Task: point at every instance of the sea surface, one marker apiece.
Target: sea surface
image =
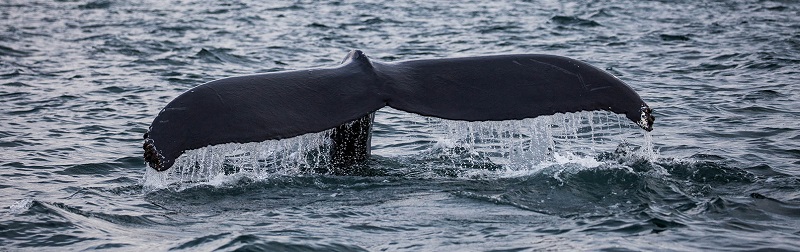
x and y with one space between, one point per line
81 81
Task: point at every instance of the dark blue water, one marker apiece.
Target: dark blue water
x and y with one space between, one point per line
80 82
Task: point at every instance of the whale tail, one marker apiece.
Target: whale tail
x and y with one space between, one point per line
280 105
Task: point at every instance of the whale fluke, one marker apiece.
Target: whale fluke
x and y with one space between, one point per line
280 105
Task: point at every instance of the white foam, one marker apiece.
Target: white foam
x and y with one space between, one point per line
21 206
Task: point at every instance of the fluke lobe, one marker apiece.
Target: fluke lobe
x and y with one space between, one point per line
255 108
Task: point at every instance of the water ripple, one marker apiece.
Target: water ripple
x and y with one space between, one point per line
82 80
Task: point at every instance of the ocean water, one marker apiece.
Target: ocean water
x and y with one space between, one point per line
81 81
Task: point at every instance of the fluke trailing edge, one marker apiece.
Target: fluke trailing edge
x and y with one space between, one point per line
279 105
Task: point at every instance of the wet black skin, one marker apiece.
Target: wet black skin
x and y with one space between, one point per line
280 105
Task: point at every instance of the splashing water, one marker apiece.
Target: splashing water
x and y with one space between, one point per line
285 157
514 147
528 143
20 206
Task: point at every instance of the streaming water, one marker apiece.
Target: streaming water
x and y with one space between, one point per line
512 145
